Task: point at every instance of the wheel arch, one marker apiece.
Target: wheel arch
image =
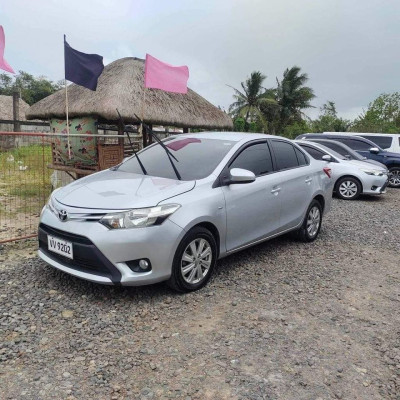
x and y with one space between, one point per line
213 229
321 200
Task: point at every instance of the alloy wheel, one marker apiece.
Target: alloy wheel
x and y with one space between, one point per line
313 221
196 261
394 177
348 189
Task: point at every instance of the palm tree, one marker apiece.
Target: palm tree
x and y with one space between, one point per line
247 101
292 96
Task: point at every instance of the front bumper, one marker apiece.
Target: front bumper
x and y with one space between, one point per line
101 255
375 184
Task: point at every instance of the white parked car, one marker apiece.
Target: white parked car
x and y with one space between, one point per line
350 177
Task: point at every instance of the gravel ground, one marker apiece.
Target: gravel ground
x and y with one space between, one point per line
282 320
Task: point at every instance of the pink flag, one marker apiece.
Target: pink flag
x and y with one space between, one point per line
160 75
3 63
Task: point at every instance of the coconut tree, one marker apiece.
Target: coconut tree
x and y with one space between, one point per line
292 96
247 100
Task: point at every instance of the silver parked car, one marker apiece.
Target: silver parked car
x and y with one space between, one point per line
351 177
168 213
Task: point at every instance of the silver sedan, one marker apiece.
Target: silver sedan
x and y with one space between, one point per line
351 177
168 213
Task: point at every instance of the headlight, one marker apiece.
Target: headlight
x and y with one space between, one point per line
372 172
140 217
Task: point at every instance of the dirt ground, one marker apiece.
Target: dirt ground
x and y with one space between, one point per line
282 320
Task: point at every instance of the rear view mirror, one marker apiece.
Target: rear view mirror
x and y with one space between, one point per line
374 150
239 175
327 157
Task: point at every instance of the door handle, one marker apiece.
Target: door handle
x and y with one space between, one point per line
308 180
276 190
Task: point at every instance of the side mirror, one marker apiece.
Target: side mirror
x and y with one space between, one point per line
327 158
239 175
374 150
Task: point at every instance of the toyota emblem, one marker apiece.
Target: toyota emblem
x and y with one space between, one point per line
62 215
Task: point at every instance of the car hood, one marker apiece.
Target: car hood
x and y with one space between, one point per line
366 164
117 190
376 163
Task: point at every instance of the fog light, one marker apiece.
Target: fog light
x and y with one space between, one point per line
374 187
139 265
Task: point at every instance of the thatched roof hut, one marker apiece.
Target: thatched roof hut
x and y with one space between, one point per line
120 86
6 108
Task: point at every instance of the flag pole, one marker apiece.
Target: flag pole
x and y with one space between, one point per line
66 113
66 104
141 125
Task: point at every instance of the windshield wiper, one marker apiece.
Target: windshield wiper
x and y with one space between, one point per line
169 154
130 142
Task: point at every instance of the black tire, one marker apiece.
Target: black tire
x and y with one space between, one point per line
309 235
178 281
348 188
394 177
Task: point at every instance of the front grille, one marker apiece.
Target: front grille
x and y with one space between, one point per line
70 237
87 257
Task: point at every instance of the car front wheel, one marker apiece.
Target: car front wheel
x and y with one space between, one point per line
194 261
348 188
394 177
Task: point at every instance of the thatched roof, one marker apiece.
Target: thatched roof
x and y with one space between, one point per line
6 108
121 86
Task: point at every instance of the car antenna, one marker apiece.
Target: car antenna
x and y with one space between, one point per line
170 156
130 142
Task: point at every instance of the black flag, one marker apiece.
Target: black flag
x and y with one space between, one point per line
81 68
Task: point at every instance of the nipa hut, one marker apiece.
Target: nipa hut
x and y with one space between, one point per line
6 108
121 86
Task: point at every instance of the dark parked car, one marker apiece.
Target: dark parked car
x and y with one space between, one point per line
366 148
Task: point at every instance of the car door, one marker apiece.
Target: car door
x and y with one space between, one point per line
295 180
252 209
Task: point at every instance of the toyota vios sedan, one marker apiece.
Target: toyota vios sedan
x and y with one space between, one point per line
350 177
169 212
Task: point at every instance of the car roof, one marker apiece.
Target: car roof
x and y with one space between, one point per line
233 136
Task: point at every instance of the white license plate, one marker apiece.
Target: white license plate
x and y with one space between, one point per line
60 246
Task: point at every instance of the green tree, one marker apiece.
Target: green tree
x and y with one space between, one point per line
238 124
246 104
292 97
32 89
296 128
382 115
328 120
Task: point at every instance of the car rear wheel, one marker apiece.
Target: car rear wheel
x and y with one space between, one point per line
394 177
348 188
194 261
312 222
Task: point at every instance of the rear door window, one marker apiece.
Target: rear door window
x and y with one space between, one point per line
301 158
285 155
255 158
382 141
313 152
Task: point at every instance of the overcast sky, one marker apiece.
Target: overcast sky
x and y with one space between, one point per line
348 48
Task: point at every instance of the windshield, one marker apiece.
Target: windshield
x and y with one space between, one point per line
197 158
